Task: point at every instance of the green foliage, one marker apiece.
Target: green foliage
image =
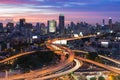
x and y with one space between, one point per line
35 60
98 59
101 78
116 77
104 52
92 55
4 67
93 78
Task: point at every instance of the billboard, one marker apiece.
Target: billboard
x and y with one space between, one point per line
75 35
63 42
105 44
34 37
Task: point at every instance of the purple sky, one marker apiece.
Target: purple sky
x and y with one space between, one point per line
91 11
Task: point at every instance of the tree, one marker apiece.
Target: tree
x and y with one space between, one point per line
35 60
118 77
92 55
101 78
93 78
98 59
82 77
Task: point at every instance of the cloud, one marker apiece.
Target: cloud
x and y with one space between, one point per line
77 3
45 6
30 8
40 0
17 2
14 10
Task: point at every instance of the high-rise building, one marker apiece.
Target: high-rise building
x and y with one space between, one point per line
103 21
21 24
61 24
10 26
0 48
72 25
43 29
110 22
1 25
37 28
52 26
28 29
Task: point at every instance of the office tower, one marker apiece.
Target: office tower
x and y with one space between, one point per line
97 27
52 26
28 25
110 23
8 45
1 25
28 29
61 24
10 25
21 24
72 25
103 21
43 29
37 28
0 48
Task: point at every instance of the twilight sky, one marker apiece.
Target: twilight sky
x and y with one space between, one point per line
91 11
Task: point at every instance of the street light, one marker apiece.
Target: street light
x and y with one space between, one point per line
6 75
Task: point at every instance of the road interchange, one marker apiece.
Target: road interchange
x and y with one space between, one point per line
70 59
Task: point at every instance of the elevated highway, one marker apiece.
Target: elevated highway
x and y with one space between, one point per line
100 65
104 57
93 62
62 65
77 65
51 69
16 56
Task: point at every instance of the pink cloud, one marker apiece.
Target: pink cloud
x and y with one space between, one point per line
16 2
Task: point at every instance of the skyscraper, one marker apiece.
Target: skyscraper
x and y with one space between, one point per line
1 25
38 28
61 24
52 26
21 24
43 29
110 23
103 21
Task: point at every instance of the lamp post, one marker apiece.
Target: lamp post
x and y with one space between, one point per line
6 75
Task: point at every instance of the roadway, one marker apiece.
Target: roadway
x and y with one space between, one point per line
83 59
104 57
16 56
110 59
78 64
68 39
51 69
90 61
99 64
46 71
21 54
93 62
61 65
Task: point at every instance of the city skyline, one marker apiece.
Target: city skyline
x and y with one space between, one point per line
91 11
